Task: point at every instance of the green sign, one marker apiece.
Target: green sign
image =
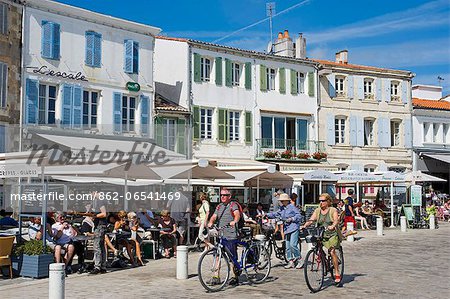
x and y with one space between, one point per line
416 195
133 86
408 212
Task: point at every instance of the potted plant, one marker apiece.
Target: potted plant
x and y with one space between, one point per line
270 154
319 155
303 156
287 154
35 259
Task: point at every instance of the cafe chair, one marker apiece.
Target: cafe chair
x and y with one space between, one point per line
6 245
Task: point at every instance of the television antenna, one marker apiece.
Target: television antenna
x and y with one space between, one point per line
270 12
440 79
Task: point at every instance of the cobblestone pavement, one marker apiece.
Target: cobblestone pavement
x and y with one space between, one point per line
414 264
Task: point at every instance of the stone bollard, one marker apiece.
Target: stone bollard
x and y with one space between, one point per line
432 222
350 228
182 262
379 226
56 280
403 224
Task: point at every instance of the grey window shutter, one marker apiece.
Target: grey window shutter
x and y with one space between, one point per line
330 129
381 132
407 129
387 90
353 130
360 131
331 87
360 87
262 78
378 90
404 87
219 79
117 112
350 92
387 132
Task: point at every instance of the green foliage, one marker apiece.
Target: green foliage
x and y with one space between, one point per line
32 247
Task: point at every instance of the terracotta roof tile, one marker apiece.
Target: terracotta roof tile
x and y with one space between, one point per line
357 66
164 105
431 104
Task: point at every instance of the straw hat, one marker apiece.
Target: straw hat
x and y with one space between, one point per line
284 197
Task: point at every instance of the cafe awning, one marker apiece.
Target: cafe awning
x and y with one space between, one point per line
439 157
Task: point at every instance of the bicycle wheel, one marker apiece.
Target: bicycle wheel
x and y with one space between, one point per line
340 255
256 263
213 270
314 269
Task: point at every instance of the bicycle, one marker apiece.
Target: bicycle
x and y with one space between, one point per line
317 263
214 264
272 246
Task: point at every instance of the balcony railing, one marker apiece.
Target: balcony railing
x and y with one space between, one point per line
290 149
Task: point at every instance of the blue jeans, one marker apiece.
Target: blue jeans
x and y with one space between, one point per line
292 251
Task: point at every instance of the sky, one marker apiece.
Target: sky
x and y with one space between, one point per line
409 35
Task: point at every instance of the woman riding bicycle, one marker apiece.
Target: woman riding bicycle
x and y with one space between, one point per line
327 216
292 217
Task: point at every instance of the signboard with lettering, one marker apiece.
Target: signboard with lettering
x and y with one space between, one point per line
18 170
44 70
416 195
407 211
133 86
358 176
320 175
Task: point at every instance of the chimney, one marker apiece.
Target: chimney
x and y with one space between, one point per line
284 46
342 57
300 46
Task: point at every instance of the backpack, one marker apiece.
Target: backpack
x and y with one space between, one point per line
241 222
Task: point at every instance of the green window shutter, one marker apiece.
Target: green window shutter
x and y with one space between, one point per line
227 72
282 80
294 89
262 78
219 71
197 67
196 123
159 130
311 84
248 75
248 127
181 133
222 125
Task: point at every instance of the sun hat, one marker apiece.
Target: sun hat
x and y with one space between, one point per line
283 197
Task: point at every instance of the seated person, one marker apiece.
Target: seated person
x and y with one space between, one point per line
146 218
134 225
168 234
123 225
359 216
35 229
63 233
7 220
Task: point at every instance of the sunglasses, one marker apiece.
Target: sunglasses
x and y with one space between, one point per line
225 194
323 200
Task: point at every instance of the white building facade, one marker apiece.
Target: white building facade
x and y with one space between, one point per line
431 134
245 105
84 72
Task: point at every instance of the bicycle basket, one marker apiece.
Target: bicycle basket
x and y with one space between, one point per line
245 233
314 234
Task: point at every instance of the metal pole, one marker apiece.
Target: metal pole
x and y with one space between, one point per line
392 205
303 197
357 191
56 281
125 191
320 187
44 208
257 189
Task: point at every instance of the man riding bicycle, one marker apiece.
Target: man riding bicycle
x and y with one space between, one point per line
292 217
228 213
327 216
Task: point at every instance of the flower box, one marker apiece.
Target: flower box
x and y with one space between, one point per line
36 266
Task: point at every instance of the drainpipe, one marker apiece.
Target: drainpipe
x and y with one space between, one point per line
255 108
318 106
189 151
22 78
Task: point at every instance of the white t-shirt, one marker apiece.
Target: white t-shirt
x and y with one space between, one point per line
67 233
33 229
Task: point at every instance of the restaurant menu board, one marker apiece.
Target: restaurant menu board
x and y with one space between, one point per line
416 195
309 210
408 212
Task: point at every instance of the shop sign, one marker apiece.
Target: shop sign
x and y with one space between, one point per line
133 86
44 70
416 195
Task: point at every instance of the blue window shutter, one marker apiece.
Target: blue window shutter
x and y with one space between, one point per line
67 103
128 58
89 59
331 87
380 131
360 131
135 57
144 114
350 93
387 90
117 112
353 130
407 135
46 39
56 40
32 94
360 87
2 136
387 131
97 59
404 87
330 129
77 106
378 93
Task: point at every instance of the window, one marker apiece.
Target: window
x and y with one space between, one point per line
128 113
131 64
90 103
339 86
368 88
235 74
446 135
339 130
368 132
3 18
233 123
205 69
369 169
206 123
3 84
46 104
50 40
395 133
93 49
300 82
169 133
395 97
271 73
